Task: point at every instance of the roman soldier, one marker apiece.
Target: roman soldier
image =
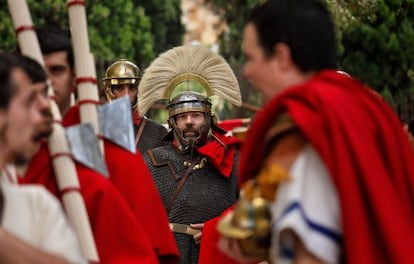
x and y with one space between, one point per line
122 78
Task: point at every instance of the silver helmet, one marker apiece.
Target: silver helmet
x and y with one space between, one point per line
190 101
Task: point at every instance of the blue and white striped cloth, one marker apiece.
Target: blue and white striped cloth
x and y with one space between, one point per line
308 206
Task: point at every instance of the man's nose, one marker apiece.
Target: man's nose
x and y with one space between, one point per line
42 103
124 91
189 120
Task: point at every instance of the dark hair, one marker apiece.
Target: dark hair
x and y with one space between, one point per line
32 68
304 25
53 39
7 86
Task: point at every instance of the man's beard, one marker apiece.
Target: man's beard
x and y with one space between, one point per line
191 136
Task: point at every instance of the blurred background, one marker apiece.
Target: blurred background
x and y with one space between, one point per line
375 40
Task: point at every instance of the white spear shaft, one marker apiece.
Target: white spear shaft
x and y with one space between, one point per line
84 65
63 165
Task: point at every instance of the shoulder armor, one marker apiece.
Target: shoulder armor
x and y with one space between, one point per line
280 126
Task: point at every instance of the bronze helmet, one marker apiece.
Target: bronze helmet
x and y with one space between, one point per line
190 101
120 72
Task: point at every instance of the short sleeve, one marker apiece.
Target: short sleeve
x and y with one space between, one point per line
36 216
308 206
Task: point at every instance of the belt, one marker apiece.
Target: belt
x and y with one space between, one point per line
183 229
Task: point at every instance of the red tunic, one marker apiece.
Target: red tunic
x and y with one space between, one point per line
118 235
129 174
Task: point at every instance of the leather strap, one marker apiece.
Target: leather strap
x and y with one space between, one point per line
140 130
181 183
183 229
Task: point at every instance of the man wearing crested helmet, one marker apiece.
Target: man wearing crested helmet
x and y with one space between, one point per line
196 171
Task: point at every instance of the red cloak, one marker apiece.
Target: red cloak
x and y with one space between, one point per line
130 175
362 143
118 235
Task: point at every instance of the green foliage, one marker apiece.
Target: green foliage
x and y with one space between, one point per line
7 39
379 51
375 40
166 29
117 28
235 12
136 30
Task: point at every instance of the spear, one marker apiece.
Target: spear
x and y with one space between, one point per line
63 164
84 65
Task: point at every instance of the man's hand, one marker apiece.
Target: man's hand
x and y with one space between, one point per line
197 237
231 248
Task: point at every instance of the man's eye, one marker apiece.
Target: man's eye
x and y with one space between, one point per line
180 117
117 88
57 69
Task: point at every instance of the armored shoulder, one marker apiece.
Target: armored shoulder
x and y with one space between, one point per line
284 142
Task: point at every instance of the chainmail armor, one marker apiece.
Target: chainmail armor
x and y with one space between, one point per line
152 135
205 194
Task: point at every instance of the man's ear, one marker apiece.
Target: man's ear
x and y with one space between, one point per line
283 55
